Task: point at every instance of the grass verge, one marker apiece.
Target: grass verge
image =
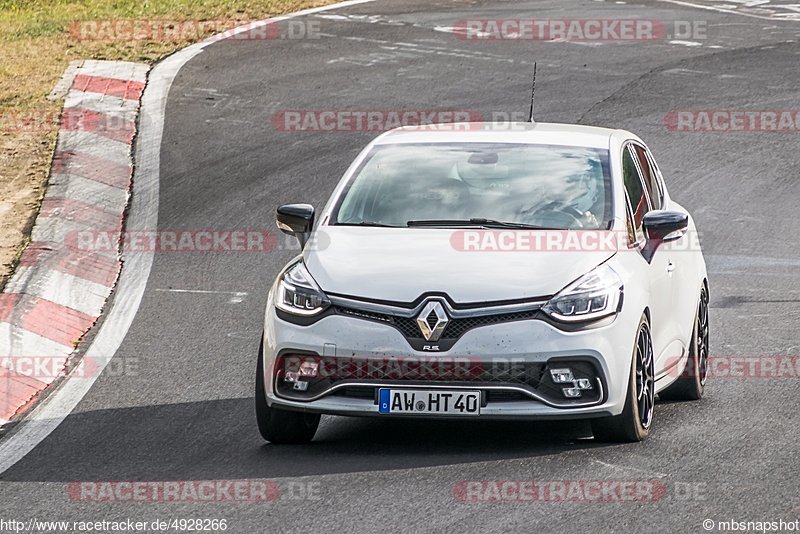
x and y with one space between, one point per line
38 39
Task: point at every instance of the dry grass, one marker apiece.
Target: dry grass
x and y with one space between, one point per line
37 44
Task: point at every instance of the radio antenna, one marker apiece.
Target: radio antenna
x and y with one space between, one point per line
533 93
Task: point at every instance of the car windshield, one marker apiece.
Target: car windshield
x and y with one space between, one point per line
445 185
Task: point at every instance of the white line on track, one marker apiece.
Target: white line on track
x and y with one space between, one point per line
722 9
236 296
686 43
133 281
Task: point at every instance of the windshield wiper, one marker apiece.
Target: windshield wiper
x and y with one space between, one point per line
475 221
368 223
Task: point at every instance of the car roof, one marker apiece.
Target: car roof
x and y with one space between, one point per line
539 133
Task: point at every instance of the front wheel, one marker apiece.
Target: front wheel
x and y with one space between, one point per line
281 426
633 424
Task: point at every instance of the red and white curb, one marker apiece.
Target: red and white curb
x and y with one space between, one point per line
142 215
58 291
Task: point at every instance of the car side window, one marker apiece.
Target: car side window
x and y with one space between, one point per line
649 176
632 239
635 191
658 176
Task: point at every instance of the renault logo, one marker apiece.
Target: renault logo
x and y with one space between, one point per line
432 320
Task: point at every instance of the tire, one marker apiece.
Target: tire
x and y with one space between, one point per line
634 423
281 426
691 384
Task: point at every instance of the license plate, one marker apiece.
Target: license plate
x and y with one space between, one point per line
425 402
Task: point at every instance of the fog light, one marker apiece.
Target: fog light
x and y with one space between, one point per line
300 386
290 376
309 369
571 393
562 376
583 383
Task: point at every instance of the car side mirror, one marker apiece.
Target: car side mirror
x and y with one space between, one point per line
296 220
663 225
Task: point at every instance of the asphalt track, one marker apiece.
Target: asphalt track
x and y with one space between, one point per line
186 412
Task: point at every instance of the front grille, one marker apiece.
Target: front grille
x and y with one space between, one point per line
455 328
407 326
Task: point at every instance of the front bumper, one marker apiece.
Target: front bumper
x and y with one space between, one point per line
602 353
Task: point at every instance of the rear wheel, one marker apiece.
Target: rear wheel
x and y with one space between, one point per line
633 424
281 426
692 382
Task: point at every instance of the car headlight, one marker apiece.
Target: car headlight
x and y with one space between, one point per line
594 295
299 294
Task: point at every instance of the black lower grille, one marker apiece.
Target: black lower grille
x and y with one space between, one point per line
310 376
500 395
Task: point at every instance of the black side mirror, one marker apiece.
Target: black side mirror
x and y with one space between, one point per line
662 225
296 220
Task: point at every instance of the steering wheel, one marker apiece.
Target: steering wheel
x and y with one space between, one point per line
555 215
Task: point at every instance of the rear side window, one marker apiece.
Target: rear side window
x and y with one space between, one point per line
649 176
635 192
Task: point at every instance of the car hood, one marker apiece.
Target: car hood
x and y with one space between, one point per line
400 264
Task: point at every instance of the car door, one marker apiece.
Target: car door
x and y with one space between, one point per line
659 268
684 278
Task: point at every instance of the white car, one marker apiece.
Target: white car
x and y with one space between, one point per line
534 271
